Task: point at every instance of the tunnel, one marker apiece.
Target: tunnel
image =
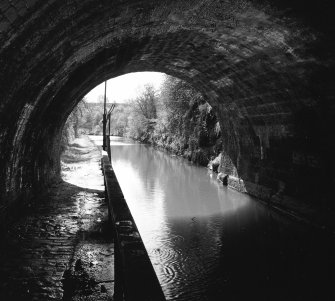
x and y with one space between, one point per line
266 68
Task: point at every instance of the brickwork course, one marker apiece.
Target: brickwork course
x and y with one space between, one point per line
266 67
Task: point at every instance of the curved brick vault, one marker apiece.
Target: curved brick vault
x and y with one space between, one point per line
267 70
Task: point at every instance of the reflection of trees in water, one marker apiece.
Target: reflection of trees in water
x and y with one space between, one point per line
187 188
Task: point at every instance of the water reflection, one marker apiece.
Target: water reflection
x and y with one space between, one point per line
178 209
153 173
207 242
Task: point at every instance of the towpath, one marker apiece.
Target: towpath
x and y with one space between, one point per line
61 249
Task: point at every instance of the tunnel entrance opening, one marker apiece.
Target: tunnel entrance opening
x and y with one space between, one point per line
166 112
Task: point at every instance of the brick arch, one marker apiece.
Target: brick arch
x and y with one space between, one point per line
265 74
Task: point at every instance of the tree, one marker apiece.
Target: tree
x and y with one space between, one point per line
74 122
178 100
145 104
74 118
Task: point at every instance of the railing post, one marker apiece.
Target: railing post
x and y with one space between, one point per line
104 121
108 138
104 132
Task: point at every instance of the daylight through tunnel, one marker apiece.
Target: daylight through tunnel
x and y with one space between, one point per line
261 65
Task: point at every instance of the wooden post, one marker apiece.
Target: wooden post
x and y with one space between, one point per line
104 121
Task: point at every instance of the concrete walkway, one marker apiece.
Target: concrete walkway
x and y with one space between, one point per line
62 248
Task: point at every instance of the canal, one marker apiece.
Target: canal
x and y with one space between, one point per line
208 242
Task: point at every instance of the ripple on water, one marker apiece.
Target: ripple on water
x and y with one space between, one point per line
169 240
170 274
175 270
181 270
168 260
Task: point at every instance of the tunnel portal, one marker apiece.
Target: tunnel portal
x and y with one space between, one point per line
265 67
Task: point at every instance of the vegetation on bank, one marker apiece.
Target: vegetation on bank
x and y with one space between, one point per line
177 119
84 119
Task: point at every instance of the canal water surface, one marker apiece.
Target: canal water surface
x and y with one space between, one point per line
208 242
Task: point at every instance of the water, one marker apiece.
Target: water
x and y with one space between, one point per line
207 242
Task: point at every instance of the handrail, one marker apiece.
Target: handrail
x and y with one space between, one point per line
135 278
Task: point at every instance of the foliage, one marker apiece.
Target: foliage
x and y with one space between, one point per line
86 118
72 125
119 120
186 118
145 104
178 119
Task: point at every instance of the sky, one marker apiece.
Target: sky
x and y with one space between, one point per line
125 87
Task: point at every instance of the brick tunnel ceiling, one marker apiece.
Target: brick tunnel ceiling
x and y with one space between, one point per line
266 69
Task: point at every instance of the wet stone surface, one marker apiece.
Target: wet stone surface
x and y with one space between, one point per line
62 249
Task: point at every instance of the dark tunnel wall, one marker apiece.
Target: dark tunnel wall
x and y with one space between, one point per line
265 67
